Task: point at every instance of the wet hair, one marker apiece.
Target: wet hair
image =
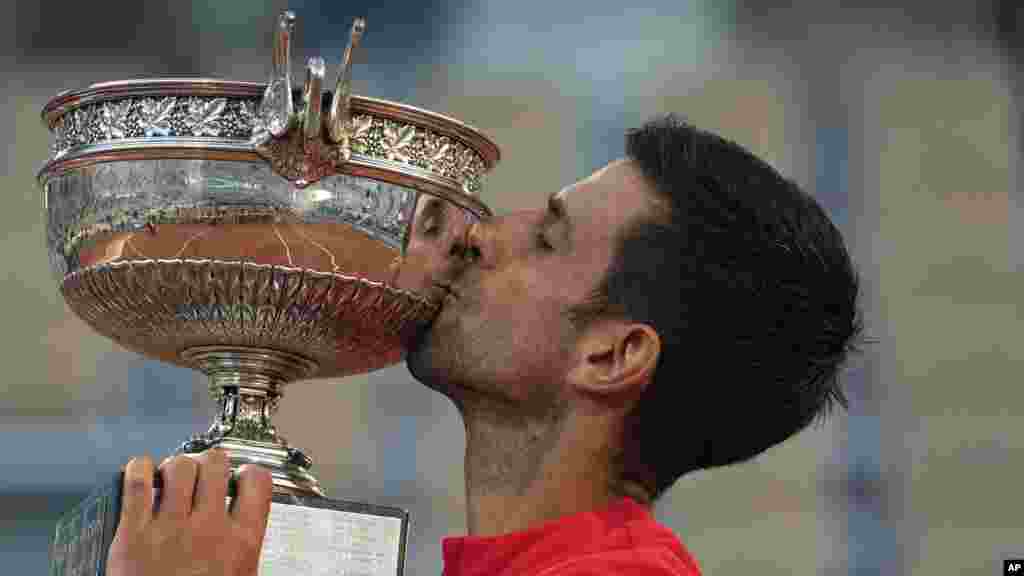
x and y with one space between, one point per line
752 292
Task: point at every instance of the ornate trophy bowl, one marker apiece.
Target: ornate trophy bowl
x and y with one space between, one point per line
258 234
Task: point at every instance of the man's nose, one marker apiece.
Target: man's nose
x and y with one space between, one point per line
475 238
469 248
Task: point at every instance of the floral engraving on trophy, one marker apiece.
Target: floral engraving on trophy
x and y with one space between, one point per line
240 121
234 119
129 118
396 140
203 118
399 142
113 117
360 126
74 126
155 116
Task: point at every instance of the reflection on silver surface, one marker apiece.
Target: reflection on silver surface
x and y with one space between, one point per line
438 227
153 209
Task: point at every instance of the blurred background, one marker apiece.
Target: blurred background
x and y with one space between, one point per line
902 117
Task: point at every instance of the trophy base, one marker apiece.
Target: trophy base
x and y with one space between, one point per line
306 534
289 468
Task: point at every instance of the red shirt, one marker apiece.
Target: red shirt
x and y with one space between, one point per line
623 539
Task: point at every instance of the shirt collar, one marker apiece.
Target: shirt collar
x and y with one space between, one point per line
539 546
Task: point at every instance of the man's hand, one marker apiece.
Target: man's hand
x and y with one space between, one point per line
191 532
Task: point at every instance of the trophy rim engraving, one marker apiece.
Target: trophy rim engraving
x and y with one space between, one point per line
427 175
69 100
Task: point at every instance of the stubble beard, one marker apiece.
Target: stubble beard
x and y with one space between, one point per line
433 357
507 436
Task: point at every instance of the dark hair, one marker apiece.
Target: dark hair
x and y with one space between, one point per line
751 289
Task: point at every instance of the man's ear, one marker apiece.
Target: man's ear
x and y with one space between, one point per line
615 358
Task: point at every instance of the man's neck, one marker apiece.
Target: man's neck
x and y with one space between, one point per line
522 474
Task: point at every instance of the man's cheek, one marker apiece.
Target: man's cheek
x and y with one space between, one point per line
534 284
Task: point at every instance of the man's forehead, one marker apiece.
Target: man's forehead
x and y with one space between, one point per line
595 177
618 183
599 205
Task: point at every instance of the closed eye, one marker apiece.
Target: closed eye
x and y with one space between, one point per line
430 227
542 242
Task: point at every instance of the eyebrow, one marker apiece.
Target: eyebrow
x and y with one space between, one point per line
558 212
556 206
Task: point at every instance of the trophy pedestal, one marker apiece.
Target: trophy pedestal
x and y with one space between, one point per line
246 384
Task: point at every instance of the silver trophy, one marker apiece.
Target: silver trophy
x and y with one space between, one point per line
261 235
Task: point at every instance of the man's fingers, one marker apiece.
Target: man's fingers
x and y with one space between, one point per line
212 485
137 493
252 500
179 476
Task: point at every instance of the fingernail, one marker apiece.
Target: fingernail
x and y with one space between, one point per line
135 472
140 462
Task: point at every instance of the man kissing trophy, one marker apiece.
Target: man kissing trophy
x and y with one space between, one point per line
260 235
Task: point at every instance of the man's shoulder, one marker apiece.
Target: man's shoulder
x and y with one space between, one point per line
647 560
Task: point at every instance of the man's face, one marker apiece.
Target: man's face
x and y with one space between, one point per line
503 332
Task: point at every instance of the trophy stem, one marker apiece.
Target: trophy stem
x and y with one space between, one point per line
246 384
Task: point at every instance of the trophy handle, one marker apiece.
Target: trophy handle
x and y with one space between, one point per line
300 146
277 111
312 96
340 114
